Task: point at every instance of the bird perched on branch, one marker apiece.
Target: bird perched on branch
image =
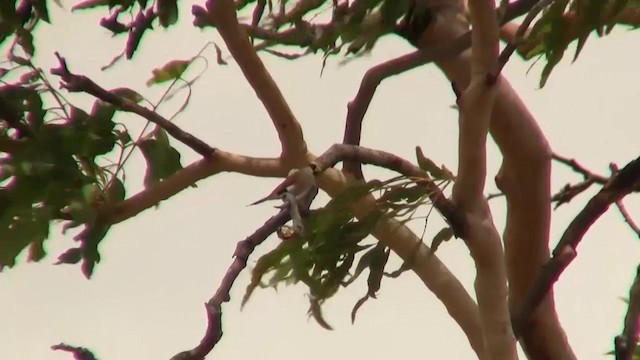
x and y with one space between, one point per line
300 183
297 191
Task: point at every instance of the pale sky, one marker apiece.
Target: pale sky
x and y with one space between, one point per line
145 300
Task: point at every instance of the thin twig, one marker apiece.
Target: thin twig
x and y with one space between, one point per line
627 217
626 343
80 83
214 306
620 185
575 166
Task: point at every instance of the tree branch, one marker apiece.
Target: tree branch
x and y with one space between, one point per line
620 185
483 240
80 83
294 148
627 217
213 307
357 108
220 161
431 271
361 155
625 344
524 178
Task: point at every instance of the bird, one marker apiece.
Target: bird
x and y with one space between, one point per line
300 183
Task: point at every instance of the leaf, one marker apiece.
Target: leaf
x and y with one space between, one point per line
71 256
162 161
128 94
139 26
316 311
428 165
376 269
115 192
444 234
357 306
363 263
89 4
167 11
20 227
91 238
25 40
40 8
219 58
169 71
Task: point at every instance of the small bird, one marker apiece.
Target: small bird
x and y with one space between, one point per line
300 183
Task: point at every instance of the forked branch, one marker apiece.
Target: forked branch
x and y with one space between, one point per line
223 14
620 185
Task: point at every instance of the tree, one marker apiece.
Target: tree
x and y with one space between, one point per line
56 165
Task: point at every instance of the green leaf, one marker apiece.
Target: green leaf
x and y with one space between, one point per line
40 8
22 226
443 235
115 192
315 310
128 94
162 161
71 256
169 71
25 40
91 238
167 12
429 166
89 4
376 269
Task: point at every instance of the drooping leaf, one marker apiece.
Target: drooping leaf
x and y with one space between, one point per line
25 40
89 4
315 310
40 8
167 12
71 256
169 71
445 234
162 160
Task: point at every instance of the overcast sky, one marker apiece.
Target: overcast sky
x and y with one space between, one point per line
145 300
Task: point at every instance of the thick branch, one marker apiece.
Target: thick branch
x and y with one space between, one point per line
433 273
357 108
80 83
483 240
220 161
525 180
620 185
224 15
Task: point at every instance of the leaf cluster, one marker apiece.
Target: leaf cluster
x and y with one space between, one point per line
566 21
61 163
324 259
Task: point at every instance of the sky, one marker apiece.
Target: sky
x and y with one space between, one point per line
145 300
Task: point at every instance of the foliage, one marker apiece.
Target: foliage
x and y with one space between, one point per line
564 22
324 259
